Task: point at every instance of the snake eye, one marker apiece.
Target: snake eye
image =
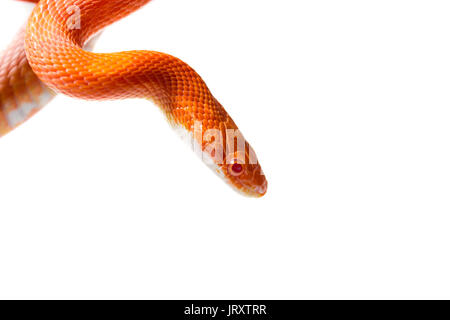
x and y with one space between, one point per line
236 169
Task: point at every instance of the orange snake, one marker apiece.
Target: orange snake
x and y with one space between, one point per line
47 57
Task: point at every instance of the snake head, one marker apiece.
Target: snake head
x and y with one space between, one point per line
216 139
244 174
241 168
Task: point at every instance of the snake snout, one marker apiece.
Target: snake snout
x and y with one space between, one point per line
262 189
252 182
260 185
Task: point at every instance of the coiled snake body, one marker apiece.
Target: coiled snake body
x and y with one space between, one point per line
47 57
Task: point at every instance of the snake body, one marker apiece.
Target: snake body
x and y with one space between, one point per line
48 57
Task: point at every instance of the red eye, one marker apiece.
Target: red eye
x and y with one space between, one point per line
237 169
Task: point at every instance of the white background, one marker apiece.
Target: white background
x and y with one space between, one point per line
347 104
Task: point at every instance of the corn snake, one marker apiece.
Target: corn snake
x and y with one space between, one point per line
49 57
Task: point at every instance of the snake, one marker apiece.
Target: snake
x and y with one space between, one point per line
50 56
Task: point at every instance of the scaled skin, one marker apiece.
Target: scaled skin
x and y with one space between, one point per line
54 51
22 94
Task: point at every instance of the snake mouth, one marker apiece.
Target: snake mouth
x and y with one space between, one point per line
254 185
260 190
254 191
